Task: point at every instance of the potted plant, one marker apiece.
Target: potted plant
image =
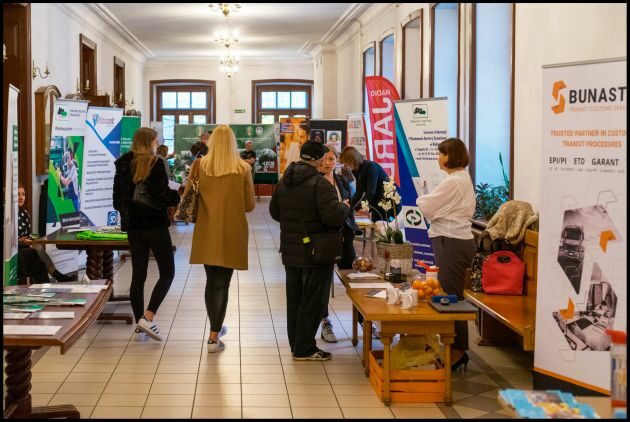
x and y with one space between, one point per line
489 198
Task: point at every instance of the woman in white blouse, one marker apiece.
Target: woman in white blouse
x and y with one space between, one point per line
450 207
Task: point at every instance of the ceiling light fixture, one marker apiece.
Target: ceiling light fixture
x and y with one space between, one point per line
225 38
229 64
225 8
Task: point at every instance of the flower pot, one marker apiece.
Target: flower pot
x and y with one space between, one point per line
400 254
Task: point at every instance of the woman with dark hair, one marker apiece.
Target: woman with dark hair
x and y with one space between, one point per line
450 207
146 227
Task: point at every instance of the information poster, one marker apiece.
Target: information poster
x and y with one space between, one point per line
356 134
420 127
381 95
10 226
65 176
128 127
332 132
582 257
159 128
185 137
102 148
294 131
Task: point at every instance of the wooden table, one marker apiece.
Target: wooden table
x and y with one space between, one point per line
419 320
100 261
19 349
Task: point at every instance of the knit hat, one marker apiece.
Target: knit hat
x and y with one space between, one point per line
312 151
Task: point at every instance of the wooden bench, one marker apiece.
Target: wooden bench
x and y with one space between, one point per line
505 320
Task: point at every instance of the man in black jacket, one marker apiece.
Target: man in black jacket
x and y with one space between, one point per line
303 190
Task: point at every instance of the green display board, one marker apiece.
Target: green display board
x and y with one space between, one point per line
129 125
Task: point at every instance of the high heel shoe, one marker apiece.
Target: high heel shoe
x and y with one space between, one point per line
461 361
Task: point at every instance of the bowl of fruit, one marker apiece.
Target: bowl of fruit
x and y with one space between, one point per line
426 287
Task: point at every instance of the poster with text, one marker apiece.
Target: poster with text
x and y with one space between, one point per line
332 132
294 131
128 127
10 224
420 127
582 256
264 145
102 148
185 137
356 134
65 176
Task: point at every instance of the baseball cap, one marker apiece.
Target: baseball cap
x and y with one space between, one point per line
312 151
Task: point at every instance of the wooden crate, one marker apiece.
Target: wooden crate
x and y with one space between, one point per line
408 386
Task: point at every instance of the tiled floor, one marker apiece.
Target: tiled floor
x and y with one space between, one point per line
107 374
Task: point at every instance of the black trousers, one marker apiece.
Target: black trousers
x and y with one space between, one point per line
31 265
217 291
454 256
307 289
140 242
347 258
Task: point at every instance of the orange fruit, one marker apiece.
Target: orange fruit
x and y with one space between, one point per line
416 284
420 294
436 291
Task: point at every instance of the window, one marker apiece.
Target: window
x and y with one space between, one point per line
412 58
119 82
387 58
275 99
491 108
369 64
88 65
445 59
182 102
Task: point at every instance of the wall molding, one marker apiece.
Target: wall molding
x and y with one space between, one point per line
103 12
345 21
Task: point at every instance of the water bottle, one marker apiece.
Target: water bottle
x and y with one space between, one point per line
619 372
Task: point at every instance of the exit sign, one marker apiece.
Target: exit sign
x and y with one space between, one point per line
239 110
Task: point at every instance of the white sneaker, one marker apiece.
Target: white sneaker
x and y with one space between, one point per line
327 333
214 347
140 335
150 328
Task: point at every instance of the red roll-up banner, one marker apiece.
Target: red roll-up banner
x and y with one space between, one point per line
381 95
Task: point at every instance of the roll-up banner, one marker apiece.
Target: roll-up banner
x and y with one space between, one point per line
357 136
294 131
420 127
381 95
582 252
128 127
65 176
332 132
102 148
10 224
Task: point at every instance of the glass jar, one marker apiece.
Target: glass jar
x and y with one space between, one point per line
619 372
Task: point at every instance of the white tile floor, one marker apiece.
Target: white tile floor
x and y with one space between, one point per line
107 374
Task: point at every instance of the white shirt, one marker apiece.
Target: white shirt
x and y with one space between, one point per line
450 206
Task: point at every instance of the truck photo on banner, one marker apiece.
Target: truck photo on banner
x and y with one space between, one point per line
420 127
10 225
582 259
65 176
102 148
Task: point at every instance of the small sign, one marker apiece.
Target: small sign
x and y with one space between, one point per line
239 110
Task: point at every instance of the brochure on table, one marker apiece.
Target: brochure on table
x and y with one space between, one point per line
10 225
582 258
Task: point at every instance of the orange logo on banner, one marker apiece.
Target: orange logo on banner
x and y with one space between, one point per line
557 86
569 312
604 237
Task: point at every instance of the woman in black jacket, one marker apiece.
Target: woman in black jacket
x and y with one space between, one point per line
146 227
370 177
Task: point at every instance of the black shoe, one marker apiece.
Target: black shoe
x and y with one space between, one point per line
64 277
318 355
461 361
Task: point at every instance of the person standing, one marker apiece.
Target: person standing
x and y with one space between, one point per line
249 155
220 238
146 227
70 180
450 207
342 186
305 198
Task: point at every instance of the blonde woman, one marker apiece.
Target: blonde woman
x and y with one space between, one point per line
147 228
226 193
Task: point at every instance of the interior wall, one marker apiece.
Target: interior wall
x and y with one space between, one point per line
55 30
231 93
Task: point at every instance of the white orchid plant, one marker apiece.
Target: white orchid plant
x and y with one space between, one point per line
390 200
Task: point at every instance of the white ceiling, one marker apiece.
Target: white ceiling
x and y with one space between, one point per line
172 31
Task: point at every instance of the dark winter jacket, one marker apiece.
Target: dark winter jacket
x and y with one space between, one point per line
317 201
344 189
370 177
133 216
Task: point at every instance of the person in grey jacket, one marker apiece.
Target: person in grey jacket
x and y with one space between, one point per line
304 192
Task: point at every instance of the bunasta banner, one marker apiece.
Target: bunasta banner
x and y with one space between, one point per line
582 258
64 176
420 127
10 226
102 148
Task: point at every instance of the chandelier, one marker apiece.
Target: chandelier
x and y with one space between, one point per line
229 64
226 38
225 8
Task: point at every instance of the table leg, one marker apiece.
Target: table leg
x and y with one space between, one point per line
108 264
100 264
355 321
367 345
94 268
18 403
387 399
447 340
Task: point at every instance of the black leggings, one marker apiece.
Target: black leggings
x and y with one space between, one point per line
159 241
217 291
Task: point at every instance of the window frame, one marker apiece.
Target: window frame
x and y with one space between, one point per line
418 14
371 45
472 140
280 85
380 54
459 51
183 85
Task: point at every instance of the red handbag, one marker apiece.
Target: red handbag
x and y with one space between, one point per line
502 274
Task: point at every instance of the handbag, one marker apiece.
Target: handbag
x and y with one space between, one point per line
321 248
187 209
503 274
142 197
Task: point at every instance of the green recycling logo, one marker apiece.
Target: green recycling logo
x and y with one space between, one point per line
413 217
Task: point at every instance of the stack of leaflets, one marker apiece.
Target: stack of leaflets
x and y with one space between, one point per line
546 404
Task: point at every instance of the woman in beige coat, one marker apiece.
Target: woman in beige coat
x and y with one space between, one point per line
226 193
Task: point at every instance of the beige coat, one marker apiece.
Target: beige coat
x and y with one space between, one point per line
221 232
